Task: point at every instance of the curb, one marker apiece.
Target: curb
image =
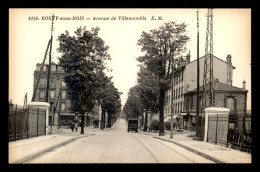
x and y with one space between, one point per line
194 151
37 154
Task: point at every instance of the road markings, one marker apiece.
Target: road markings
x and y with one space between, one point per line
157 161
171 149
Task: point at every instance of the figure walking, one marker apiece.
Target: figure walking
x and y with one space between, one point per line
72 127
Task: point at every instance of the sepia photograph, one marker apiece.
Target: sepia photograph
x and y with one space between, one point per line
129 86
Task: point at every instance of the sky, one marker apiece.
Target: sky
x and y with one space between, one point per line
28 41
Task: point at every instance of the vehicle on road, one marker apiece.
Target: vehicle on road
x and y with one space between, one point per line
132 124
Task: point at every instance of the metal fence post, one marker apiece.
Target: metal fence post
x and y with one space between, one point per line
38 121
28 123
216 142
228 132
208 130
15 122
45 123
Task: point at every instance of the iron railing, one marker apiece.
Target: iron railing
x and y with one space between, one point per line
26 123
230 131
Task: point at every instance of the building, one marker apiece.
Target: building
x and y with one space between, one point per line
185 79
224 95
57 83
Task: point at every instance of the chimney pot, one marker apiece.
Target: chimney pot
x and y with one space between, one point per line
244 84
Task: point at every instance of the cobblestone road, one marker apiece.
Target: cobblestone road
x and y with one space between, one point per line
120 146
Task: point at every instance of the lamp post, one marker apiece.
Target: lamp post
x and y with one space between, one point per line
83 107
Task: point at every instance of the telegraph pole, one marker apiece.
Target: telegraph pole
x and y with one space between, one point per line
198 74
208 72
49 68
172 80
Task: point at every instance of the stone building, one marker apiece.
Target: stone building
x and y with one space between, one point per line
185 79
57 83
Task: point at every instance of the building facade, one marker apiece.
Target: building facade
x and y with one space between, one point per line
185 79
56 85
224 95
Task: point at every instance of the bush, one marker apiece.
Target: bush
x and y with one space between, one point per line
155 125
168 125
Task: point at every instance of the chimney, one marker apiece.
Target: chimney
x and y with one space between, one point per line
188 58
216 83
229 70
228 59
244 84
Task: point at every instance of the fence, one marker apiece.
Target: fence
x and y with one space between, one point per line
239 134
26 123
233 131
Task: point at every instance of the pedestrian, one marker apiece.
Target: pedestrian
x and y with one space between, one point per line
72 127
76 126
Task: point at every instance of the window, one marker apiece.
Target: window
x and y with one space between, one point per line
63 84
42 94
187 104
179 92
63 94
52 93
62 107
43 82
53 67
230 103
52 84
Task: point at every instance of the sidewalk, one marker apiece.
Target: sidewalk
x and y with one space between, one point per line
216 153
22 150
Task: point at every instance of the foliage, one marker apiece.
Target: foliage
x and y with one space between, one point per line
148 89
155 125
161 46
82 56
167 125
133 107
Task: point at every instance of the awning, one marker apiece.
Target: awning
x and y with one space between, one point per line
190 113
168 118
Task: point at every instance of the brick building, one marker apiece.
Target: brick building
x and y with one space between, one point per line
57 83
185 79
224 95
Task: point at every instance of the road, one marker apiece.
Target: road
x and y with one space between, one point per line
120 146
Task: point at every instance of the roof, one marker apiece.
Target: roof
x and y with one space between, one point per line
213 56
218 86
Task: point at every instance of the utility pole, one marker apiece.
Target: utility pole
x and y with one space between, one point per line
172 80
208 71
198 76
49 68
41 68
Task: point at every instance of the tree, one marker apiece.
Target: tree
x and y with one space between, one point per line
148 88
82 56
161 46
107 96
133 107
